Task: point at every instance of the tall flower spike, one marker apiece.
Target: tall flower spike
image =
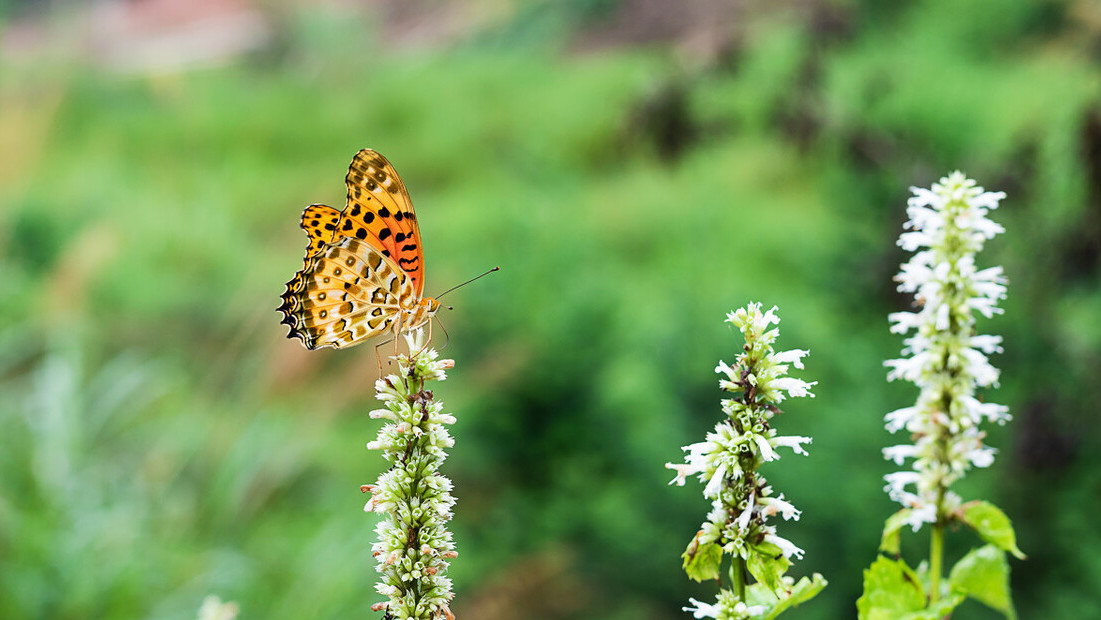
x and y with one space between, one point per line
947 360
414 545
741 500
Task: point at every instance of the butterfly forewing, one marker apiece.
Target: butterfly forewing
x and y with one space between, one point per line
380 212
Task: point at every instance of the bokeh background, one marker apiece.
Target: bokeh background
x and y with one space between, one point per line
638 168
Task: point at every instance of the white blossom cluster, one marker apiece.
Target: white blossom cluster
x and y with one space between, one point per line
214 609
946 359
727 461
726 607
414 545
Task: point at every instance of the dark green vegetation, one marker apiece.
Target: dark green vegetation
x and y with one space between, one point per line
160 440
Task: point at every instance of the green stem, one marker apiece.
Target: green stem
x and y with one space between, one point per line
737 575
936 553
936 544
937 548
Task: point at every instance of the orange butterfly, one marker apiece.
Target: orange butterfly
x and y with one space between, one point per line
364 270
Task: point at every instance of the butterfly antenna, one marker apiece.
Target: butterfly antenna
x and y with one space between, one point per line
467 282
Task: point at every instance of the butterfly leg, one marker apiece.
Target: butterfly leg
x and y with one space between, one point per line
378 358
447 341
398 322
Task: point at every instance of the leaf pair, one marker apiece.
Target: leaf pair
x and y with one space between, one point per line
892 590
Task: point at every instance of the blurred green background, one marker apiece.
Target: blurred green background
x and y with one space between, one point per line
638 168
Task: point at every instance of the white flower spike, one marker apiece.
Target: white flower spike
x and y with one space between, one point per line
946 359
413 495
741 500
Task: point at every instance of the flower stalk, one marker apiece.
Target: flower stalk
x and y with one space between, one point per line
727 464
414 546
947 359
936 561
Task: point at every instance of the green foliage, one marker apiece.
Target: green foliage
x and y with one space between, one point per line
767 565
702 562
803 590
778 602
892 532
983 574
992 525
893 591
153 219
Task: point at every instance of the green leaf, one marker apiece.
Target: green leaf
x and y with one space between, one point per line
758 594
891 591
768 548
983 574
702 562
891 531
992 525
801 592
937 610
768 567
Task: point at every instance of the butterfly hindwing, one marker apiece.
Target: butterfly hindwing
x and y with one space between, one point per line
319 222
380 212
350 292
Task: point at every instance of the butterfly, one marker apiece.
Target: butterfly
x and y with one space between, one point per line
364 268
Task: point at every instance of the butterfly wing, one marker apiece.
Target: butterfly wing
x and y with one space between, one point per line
350 292
380 212
319 222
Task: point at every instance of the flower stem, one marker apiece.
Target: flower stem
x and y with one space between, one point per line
737 575
936 557
936 542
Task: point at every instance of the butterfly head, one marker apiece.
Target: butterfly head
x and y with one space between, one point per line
420 314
